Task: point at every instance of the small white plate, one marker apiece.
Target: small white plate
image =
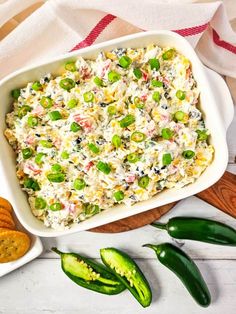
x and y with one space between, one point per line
35 250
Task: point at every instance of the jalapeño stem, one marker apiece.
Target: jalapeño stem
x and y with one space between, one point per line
159 225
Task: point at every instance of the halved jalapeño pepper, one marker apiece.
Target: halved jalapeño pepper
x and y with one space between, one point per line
89 274
128 272
187 271
199 229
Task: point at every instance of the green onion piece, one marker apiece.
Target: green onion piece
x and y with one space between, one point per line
32 121
138 73
70 66
179 115
88 97
188 154
45 144
93 148
202 135
46 102
72 103
113 76
119 196
65 155
166 133
91 210
15 93
55 115
127 120
169 54
79 184
27 153
40 203
55 206
111 110
125 62
133 158
156 96
103 167
98 81
156 83
154 64
36 86
143 182
180 94
138 103
30 183
75 127
38 158
166 159
23 110
56 177
56 168
116 140
138 137
67 84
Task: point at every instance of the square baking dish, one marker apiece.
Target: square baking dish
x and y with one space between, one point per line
216 119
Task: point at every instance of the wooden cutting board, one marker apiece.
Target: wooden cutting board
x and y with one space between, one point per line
221 195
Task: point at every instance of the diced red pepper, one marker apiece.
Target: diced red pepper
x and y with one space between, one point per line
130 179
38 111
166 81
30 139
84 122
105 67
57 143
88 166
143 97
85 72
32 168
145 76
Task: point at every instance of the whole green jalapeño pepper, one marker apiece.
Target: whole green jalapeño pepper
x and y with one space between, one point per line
199 229
128 272
179 262
89 274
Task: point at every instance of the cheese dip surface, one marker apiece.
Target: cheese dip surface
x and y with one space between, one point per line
118 129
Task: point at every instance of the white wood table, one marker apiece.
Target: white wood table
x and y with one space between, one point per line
41 286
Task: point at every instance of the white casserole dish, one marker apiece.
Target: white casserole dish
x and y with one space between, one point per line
217 120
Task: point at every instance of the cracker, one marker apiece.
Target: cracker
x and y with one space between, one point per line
7 219
4 224
13 245
5 204
4 229
5 212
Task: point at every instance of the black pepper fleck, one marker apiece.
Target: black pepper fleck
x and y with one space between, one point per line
156 170
164 106
78 140
103 104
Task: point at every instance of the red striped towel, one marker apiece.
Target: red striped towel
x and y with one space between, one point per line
65 25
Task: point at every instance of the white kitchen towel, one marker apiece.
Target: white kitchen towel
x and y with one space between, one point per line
59 26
